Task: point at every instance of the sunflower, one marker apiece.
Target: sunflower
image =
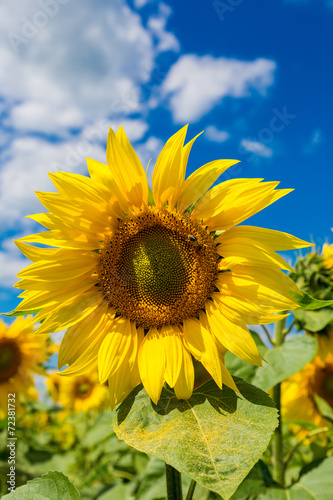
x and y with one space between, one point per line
328 256
147 279
299 392
21 355
314 274
78 393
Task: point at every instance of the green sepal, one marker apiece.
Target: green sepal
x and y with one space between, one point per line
14 313
151 201
309 303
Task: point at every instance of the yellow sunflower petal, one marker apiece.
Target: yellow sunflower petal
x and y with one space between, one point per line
35 253
244 310
200 181
169 169
231 202
227 378
201 345
122 383
276 240
79 337
234 336
170 336
246 253
152 364
72 311
130 176
185 382
115 349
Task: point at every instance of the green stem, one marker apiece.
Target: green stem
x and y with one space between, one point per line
174 483
297 445
278 464
268 334
191 489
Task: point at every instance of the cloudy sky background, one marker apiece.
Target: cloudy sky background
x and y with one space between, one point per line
256 76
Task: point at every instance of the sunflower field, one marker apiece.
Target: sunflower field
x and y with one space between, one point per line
194 361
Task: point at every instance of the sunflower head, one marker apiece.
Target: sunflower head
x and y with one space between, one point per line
81 393
147 279
22 354
314 274
299 392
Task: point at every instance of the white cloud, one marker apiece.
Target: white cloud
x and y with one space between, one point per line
28 160
314 142
138 4
11 262
214 134
195 84
257 147
148 153
81 64
157 24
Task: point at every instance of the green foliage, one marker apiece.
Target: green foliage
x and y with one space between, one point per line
315 281
313 321
51 486
309 303
315 485
14 313
215 437
285 360
280 362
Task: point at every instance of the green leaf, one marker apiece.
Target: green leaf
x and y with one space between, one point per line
285 360
14 313
51 486
310 303
324 408
313 321
255 482
315 485
153 483
215 437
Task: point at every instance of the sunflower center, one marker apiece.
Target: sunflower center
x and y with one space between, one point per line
10 359
83 389
327 388
158 268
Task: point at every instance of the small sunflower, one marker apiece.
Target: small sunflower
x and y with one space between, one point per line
21 355
78 393
299 391
314 274
146 280
328 256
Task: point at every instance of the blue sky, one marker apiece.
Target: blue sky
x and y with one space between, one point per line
256 76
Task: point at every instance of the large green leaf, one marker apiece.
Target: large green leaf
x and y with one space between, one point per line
255 482
314 321
315 485
215 437
51 486
305 301
285 360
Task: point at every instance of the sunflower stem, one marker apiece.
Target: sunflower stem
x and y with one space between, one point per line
174 483
268 335
278 463
191 489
